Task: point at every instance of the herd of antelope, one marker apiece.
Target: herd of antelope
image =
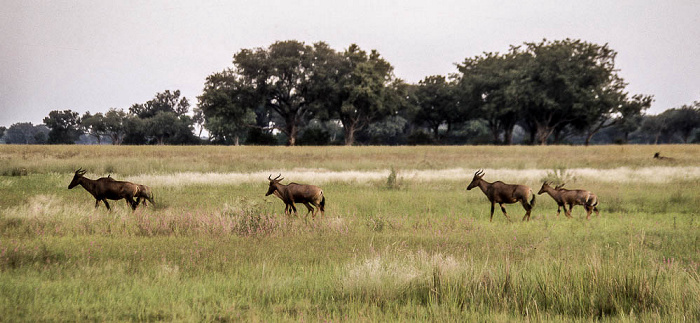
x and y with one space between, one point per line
105 188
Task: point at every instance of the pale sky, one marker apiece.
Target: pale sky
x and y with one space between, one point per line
95 55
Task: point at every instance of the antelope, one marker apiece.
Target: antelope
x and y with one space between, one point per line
106 188
658 156
297 193
499 192
143 193
562 196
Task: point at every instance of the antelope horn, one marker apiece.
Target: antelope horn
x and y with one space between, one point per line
278 176
270 177
479 172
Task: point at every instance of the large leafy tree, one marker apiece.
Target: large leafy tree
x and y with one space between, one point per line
362 91
559 80
94 125
438 105
115 125
26 133
684 120
657 126
165 101
162 120
280 77
64 127
226 105
488 86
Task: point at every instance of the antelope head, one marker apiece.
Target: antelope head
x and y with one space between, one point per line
477 178
545 186
273 183
78 175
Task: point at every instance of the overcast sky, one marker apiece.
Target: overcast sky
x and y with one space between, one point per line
95 55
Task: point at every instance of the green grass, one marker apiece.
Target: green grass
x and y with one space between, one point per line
412 251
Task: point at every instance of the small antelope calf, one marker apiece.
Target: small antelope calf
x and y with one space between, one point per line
562 196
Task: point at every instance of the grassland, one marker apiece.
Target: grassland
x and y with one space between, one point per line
422 249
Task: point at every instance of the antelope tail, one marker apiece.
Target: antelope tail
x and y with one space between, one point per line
323 203
532 202
592 200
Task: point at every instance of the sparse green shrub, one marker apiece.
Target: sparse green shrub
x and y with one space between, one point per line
559 175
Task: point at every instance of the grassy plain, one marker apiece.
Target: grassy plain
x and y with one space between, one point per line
420 250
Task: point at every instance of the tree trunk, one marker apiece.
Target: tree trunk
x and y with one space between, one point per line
543 134
508 137
291 132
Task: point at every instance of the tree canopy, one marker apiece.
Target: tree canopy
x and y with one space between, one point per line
290 92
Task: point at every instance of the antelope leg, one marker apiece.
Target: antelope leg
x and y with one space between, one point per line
503 209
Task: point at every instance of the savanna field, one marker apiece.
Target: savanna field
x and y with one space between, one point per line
401 239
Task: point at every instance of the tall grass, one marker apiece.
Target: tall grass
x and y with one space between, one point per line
218 250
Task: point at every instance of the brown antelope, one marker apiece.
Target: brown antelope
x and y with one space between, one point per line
562 196
297 193
143 193
499 192
287 209
106 188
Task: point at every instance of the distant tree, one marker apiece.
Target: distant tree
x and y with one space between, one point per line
135 131
438 105
165 101
115 125
2 131
280 78
488 86
684 120
363 92
94 125
656 125
26 133
226 106
64 127
559 80
164 120
199 120
630 114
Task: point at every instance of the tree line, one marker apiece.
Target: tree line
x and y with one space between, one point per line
563 91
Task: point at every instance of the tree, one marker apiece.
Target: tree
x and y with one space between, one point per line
630 114
2 131
684 120
279 77
135 130
656 125
488 85
163 119
225 105
26 133
560 78
166 102
115 125
362 91
94 125
438 105
64 127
